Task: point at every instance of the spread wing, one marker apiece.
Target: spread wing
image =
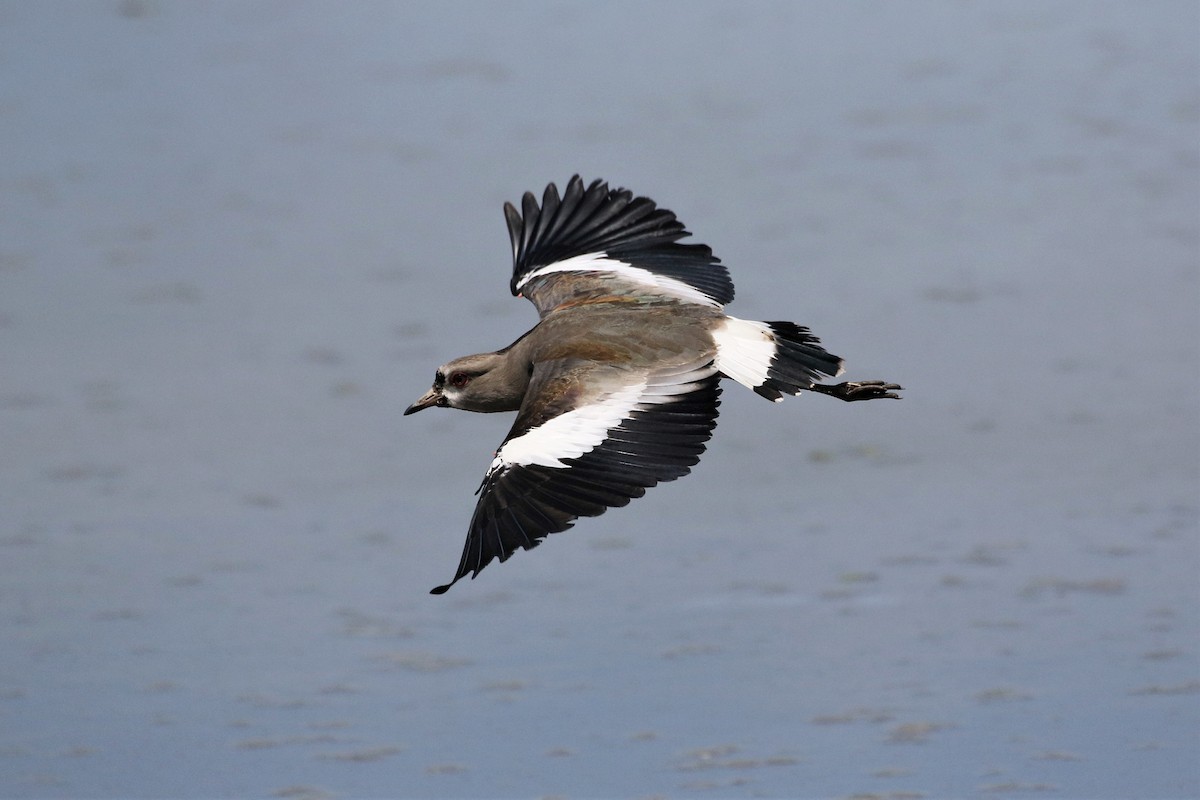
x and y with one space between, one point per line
569 456
595 243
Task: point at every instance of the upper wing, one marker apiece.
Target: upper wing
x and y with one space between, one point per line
595 243
569 456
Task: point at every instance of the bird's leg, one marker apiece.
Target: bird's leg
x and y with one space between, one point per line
859 390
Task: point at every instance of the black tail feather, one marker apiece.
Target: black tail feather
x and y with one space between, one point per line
798 363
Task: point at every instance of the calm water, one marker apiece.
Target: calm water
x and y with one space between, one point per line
237 238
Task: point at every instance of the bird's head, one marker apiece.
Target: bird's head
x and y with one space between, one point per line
472 383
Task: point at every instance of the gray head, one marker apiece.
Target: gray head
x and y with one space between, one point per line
483 382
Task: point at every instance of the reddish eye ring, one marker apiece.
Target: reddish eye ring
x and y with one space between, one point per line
459 380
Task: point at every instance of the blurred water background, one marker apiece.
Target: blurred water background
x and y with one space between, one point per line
236 238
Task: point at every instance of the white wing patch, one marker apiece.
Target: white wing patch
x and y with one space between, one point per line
569 435
583 429
744 350
600 262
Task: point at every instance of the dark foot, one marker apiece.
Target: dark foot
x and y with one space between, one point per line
859 390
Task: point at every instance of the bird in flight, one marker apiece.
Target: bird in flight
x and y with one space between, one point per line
616 388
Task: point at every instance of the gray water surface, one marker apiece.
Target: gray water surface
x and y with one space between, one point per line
237 238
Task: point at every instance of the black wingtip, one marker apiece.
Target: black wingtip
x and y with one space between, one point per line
441 589
600 219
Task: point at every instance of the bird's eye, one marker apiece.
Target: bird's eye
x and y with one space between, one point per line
459 379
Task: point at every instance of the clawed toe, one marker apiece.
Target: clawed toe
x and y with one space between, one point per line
851 391
870 390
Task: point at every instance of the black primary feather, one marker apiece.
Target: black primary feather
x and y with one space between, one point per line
520 505
611 222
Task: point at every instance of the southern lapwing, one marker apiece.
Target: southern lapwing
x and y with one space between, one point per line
616 388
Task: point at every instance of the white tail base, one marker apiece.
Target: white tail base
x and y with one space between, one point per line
744 350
